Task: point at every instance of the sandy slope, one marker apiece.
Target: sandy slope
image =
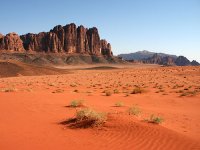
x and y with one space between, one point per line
15 68
32 108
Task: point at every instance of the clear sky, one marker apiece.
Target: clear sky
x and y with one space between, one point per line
169 26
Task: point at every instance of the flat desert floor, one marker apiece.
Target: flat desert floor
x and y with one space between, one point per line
33 107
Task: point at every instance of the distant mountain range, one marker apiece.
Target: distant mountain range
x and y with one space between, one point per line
158 58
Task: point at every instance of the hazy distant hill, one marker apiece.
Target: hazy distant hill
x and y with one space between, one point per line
141 55
158 58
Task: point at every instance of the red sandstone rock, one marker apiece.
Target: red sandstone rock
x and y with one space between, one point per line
106 48
67 39
94 41
82 40
11 42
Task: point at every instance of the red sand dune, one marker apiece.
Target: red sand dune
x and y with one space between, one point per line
32 108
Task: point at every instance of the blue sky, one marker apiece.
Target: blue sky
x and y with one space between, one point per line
169 26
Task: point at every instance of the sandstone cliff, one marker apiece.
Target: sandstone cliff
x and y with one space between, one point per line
11 42
61 39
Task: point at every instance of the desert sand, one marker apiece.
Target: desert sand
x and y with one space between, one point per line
33 107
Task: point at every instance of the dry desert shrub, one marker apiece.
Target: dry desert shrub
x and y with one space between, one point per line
76 91
76 103
116 91
137 90
58 91
119 104
155 119
73 85
86 118
8 90
107 92
188 93
51 84
134 110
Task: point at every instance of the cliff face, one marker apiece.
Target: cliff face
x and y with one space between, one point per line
106 48
195 63
182 61
11 42
157 59
65 39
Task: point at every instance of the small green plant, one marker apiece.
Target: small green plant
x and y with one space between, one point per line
119 104
134 110
88 117
155 119
137 90
76 103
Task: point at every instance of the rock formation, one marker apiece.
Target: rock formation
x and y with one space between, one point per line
11 42
106 48
182 61
157 58
195 63
61 39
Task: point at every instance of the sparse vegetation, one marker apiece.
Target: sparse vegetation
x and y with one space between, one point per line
8 90
73 85
134 110
116 91
126 95
155 119
76 103
51 84
108 93
89 118
76 91
188 93
119 104
137 90
58 91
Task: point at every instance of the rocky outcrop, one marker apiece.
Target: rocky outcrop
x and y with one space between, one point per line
155 59
168 61
182 61
106 48
82 40
94 41
11 42
158 58
195 63
61 39
1 41
142 55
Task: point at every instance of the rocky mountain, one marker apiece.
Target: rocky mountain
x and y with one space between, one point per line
67 39
161 60
182 61
141 55
170 61
195 63
158 58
